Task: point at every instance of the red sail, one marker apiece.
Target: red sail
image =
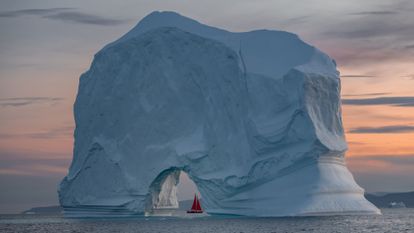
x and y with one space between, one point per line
194 206
198 207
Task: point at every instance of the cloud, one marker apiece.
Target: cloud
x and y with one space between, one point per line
296 20
391 21
78 17
355 143
66 131
66 15
374 13
383 129
383 172
371 29
405 101
13 171
368 94
34 170
17 163
406 159
24 101
371 36
409 76
358 76
17 13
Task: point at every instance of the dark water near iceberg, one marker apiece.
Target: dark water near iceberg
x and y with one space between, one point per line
392 220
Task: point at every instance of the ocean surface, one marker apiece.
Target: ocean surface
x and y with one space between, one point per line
392 220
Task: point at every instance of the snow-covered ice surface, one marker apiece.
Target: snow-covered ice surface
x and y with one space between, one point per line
253 118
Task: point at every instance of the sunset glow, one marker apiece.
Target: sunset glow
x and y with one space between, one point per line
42 58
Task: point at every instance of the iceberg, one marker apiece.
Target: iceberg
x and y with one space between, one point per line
253 118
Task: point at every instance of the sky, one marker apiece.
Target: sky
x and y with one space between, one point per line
46 45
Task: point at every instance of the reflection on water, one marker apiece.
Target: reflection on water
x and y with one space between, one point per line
392 220
177 213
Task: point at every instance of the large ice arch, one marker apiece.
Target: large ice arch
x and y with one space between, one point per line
169 188
254 119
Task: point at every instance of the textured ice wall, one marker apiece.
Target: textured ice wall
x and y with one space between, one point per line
258 131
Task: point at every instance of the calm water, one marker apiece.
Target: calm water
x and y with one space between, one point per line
392 220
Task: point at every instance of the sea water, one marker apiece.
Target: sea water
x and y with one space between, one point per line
392 220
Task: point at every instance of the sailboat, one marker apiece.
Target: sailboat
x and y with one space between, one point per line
196 207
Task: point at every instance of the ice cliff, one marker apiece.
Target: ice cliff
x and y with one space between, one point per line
254 119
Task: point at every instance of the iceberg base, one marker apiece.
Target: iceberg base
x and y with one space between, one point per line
318 188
